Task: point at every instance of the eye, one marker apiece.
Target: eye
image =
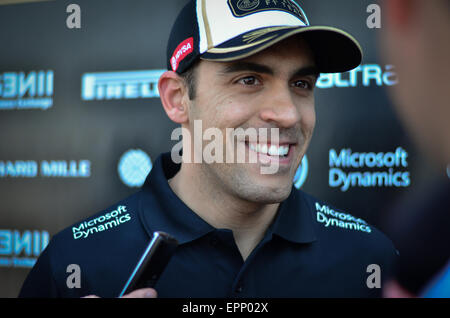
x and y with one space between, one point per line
249 81
302 84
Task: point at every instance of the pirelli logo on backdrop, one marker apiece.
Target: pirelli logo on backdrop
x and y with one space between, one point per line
120 85
242 8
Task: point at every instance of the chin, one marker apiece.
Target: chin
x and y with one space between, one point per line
249 185
266 194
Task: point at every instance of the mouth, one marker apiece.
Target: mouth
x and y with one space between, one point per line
267 152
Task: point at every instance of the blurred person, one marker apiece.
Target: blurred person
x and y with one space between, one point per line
416 39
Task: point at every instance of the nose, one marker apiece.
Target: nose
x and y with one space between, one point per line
279 107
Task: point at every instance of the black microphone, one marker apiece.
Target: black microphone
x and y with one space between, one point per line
152 263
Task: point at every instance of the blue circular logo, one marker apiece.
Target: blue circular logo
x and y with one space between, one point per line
302 173
133 168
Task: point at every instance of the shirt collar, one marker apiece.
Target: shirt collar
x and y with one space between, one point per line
294 221
162 210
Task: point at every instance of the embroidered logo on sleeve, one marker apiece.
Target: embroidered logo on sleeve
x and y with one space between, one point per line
329 217
102 223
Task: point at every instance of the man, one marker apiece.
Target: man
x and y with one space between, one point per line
243 233
416 40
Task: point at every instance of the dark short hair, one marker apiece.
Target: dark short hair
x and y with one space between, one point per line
189 77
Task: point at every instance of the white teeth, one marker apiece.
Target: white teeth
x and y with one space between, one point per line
263 149
283 150
272 150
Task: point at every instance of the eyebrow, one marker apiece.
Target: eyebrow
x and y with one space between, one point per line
260 68
307 71
246 66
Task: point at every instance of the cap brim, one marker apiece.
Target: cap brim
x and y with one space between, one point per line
334 50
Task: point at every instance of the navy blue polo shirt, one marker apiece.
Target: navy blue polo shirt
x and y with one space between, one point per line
310 250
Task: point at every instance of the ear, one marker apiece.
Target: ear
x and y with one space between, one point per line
174 96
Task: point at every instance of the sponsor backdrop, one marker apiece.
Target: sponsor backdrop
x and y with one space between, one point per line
81 122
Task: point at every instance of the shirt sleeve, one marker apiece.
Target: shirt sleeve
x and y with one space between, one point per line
40 282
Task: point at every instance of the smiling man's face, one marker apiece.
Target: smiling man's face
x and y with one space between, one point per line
271 89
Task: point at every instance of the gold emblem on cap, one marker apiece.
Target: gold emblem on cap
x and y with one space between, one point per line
218 50
247 5
252 36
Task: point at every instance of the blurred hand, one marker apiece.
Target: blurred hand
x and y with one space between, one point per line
392 289
138 293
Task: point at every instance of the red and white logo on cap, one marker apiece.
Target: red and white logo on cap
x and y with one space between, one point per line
184 49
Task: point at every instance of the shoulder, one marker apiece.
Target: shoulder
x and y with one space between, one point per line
104 226
114 235
335 226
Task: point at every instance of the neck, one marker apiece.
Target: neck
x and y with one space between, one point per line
223 210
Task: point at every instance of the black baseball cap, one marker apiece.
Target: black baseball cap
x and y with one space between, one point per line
228 30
